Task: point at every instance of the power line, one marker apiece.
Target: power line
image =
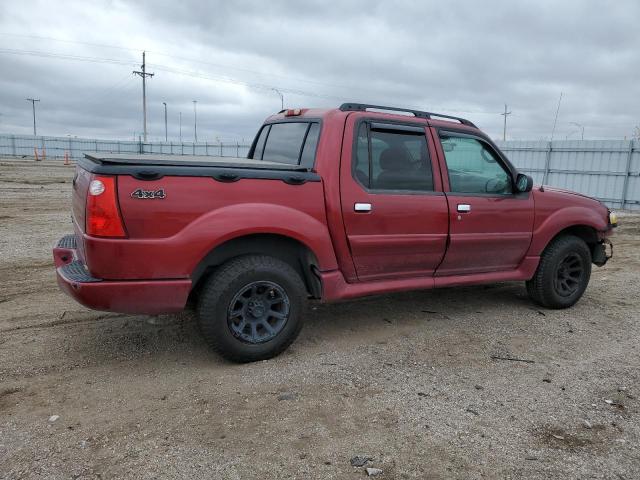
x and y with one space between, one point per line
235 81
217 78
177 57
80 58
77 42
120 85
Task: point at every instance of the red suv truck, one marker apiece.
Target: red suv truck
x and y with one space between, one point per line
330 205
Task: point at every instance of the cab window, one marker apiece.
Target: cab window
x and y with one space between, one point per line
392 159
473 166
290 142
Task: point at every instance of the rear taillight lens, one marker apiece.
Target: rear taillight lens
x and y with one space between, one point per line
103 213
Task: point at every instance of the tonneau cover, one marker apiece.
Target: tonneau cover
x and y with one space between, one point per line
189 161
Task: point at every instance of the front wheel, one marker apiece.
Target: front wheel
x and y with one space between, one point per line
563 273
252 308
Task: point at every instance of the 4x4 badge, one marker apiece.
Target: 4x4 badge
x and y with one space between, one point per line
148 194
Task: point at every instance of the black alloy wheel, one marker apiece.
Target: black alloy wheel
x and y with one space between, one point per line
569 275
258 312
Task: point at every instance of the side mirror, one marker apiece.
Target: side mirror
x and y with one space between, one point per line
524 183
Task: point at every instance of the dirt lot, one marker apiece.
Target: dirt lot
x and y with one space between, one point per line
405 379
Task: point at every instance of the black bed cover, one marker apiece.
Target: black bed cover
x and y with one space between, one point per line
224 169
189 161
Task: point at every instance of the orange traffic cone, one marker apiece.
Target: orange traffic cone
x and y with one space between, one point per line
66 158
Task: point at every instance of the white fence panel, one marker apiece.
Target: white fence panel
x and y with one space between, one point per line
606 169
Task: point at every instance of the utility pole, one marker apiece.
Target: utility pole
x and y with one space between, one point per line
281 97
144 76
580 127
195 122
33 106
165 121
555 120
504 130
180 127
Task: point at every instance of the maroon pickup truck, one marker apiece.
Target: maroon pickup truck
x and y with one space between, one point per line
329 205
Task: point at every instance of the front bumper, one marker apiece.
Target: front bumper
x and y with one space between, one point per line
131 296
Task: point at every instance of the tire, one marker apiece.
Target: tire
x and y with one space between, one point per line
252 308
563 273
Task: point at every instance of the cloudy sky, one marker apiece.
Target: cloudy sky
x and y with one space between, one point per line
464 58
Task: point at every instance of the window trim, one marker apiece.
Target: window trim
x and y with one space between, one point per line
501 160
268 127
308 120
396 127
304 143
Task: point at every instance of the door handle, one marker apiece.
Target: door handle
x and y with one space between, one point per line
464 208
362 207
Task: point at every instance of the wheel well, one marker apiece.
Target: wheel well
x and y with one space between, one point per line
586 233
287 249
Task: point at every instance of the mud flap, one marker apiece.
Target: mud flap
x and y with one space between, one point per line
600 256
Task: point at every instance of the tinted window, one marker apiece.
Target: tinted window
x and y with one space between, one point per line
285 142
473 166
257 154
399 160
309 151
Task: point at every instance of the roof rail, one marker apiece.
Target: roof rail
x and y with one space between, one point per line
362 107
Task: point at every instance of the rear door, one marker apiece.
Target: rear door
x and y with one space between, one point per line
490 226
395 213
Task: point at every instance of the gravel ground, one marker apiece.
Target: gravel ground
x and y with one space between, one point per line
405 379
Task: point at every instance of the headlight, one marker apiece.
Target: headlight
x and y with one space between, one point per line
613 219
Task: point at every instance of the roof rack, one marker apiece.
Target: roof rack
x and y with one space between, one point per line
362 107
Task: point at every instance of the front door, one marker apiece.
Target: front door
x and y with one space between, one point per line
490 226
395 212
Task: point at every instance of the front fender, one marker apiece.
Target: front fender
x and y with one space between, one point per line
546 229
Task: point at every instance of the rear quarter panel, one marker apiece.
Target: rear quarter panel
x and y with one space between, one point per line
169 237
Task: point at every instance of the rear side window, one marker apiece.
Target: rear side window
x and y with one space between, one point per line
291 142
260 143
309 149
393 159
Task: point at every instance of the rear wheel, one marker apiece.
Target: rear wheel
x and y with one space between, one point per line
563 273
252 308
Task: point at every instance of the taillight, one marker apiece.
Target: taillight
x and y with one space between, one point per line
103 213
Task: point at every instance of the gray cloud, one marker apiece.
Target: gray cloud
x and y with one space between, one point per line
466 58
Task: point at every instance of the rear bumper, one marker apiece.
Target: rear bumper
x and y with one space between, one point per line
130 296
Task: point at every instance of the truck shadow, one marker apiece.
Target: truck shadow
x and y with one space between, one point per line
176 337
